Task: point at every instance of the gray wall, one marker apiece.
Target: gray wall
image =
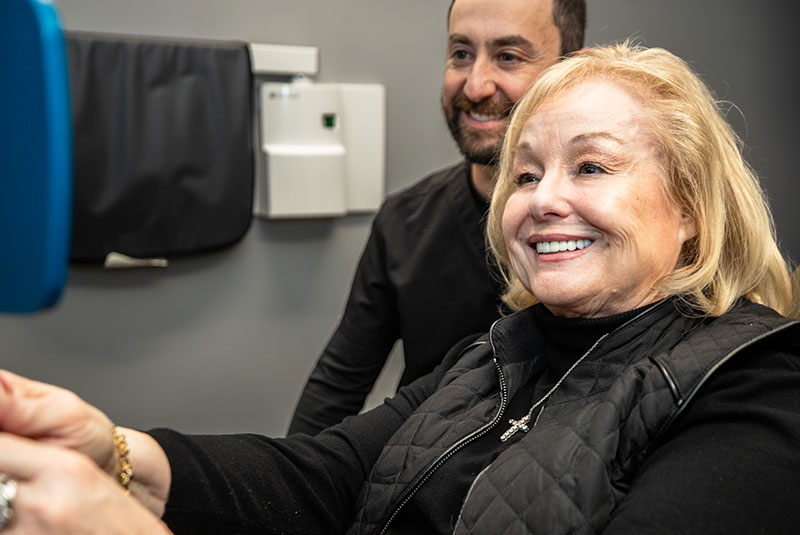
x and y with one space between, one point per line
223 342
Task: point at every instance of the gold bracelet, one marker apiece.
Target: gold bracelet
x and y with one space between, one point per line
124 468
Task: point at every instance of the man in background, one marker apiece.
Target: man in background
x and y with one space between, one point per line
424 275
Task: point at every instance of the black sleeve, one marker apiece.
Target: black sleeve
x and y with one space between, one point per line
356 352
730 464
243 484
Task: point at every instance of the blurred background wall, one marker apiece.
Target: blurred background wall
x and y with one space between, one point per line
223 342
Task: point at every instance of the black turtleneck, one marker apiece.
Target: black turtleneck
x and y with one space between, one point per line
567 339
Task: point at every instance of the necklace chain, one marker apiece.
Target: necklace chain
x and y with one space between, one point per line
522 423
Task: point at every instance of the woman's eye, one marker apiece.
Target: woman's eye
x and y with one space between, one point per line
525 178
589 168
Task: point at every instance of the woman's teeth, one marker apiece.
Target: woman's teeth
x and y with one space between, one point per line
546 247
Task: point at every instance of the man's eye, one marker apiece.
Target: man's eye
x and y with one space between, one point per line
507 57
589 168
525 178
460 55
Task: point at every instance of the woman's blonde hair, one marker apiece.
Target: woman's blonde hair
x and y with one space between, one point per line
795 279
734 253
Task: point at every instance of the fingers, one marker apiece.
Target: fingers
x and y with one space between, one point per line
27 407
61 492
11 382
23 458
20 459
50 479
52 414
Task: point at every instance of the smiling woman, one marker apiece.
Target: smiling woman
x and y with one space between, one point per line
649 390
627 148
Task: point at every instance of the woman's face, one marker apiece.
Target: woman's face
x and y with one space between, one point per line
589 229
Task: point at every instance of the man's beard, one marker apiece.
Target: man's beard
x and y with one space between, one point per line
473 143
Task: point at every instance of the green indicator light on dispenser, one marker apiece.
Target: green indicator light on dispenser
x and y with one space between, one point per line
329 120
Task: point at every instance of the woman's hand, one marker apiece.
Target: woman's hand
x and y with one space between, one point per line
62 492
55 416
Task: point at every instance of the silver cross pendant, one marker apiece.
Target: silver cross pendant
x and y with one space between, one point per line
516 425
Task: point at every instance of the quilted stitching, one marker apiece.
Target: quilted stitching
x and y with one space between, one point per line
596 428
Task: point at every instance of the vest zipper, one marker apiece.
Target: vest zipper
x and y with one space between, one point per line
457 445
426 474
474 481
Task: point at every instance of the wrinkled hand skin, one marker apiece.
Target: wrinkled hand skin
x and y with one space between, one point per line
53 415
63 492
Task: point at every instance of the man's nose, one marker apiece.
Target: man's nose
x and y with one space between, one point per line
480 83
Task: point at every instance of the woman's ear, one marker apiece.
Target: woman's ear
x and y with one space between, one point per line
687 229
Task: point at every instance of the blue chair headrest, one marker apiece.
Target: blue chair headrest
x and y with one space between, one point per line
35 156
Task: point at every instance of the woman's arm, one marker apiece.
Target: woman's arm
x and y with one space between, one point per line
250 483
243 481
730 463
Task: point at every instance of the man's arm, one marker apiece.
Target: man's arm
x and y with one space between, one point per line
357 351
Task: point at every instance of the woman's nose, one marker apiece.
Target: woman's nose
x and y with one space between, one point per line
549 198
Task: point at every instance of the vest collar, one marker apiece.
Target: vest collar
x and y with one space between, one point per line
516 341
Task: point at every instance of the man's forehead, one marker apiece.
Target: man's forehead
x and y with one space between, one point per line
497 2
493 20
511 7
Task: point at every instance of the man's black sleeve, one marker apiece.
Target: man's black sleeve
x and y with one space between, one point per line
357 351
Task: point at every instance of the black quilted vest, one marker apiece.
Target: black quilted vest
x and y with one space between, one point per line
570 471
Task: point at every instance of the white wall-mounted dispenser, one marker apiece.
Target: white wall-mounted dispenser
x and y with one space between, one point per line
322 145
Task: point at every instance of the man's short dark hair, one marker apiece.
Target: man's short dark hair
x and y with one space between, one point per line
569 16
